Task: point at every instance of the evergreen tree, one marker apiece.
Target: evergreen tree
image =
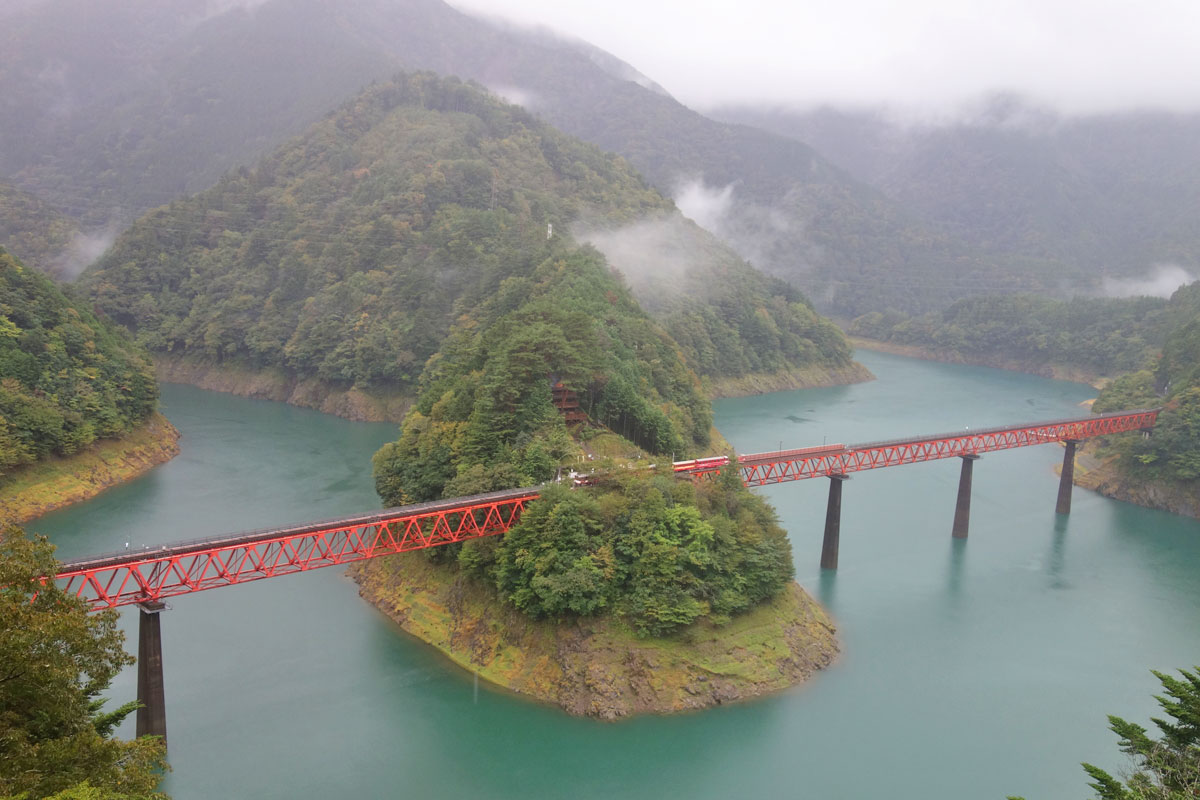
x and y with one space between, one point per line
55 661
1167 768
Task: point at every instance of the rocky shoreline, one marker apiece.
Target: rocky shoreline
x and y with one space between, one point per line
811 377
1044 370
595 666
56 482
1107 478
361 406
353 404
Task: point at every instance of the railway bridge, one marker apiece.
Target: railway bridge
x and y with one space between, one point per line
148 577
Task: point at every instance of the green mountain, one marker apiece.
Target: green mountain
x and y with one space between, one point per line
66 378
349 253
109 131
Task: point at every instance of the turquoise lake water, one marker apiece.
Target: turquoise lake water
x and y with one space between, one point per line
969 669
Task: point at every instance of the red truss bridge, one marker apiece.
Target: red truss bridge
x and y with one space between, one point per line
760 469
125 578
148 577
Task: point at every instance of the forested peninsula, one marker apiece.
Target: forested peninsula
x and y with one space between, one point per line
77 399
560 371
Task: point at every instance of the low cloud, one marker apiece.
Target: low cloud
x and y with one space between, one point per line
655 254
516 95
765 235
81 251
1161 281
707 206
215 8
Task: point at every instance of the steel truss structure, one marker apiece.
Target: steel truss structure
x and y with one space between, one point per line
147 576
119 579
761 469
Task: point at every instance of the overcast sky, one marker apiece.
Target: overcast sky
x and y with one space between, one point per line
1076 55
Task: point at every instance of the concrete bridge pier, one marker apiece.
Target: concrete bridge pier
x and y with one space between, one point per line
152 715
833 522
1066 481
962 510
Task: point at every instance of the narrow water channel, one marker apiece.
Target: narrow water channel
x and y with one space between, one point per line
970 669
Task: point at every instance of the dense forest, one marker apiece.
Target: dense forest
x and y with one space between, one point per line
484 419
347 254
1097 336
654 550
1172 452
658 553
66 377
33 231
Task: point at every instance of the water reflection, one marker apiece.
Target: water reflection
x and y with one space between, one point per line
954 571
1056 562
826 586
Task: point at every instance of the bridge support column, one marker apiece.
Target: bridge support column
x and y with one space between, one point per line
1066 481
833 522
152 716
962 510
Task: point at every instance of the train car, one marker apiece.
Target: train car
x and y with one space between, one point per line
710 464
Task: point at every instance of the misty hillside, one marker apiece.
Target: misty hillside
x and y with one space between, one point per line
110 112
68 377
347 254
1093 195
34 231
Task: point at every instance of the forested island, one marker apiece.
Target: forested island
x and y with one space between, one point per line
77 399
640 592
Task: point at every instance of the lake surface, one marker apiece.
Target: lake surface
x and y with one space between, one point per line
970 669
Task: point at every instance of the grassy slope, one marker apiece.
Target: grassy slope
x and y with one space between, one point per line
57 481
596 666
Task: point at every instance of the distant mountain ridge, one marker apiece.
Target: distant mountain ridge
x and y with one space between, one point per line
1087 196
186 97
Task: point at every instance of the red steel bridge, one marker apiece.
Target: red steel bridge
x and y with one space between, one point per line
148 577
124 578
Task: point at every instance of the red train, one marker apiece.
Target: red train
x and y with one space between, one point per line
710 464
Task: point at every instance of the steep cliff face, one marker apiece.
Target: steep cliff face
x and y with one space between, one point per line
597 667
